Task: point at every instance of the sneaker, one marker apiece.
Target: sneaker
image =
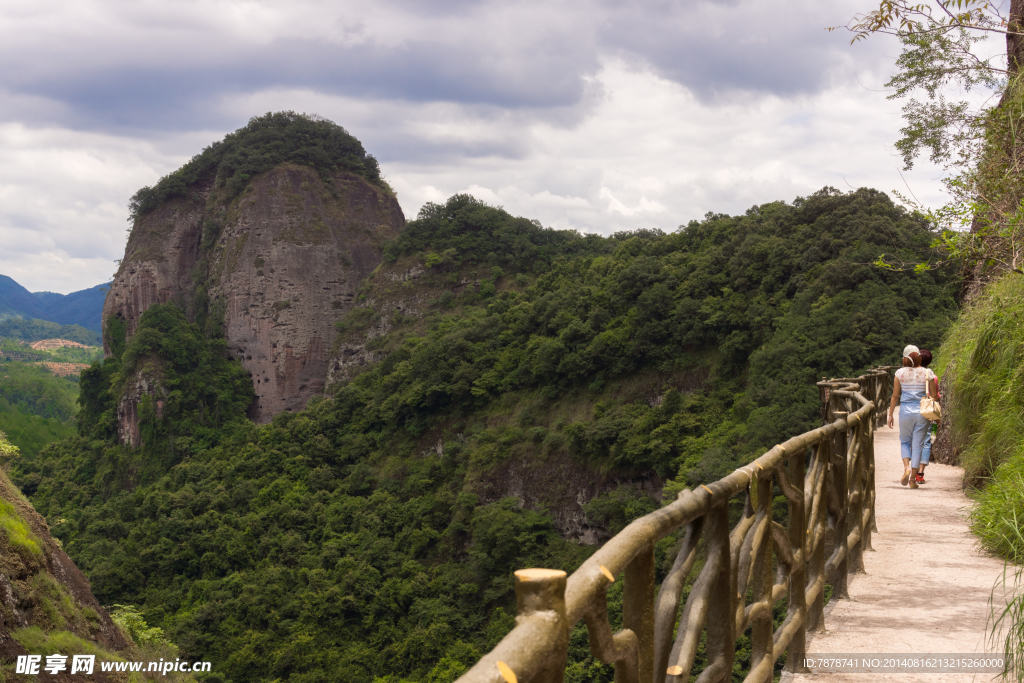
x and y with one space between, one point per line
920 479
906 476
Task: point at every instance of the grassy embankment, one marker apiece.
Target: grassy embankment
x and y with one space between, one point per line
984 351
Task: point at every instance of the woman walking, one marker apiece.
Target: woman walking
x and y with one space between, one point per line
912 383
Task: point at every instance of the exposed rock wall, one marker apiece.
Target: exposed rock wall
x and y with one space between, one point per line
562 485
350 356
159 260
287 265
287 258
128 417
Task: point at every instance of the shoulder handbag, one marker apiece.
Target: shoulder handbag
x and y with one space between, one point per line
930 408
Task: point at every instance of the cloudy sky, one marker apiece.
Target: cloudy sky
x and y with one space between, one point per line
587 114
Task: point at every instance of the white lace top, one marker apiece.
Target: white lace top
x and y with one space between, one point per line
914 387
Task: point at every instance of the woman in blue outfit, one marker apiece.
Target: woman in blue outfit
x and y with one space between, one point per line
911 384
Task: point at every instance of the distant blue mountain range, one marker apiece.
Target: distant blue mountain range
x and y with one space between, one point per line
84 308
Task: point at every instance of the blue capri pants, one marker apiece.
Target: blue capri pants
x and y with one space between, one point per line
926 452
913 433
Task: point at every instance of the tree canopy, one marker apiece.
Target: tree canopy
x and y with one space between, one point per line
263 143
978 146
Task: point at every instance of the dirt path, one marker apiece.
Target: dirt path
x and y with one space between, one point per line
926 588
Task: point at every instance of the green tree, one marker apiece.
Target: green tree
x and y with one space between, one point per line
980 147
7 451
134 624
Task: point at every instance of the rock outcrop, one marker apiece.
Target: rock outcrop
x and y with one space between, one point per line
562 485
142 387
351 353
278 265
40 586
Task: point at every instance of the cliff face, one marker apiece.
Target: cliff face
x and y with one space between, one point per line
287 267
161 255
278 265
143 385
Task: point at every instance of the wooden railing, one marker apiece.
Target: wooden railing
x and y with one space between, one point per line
828 479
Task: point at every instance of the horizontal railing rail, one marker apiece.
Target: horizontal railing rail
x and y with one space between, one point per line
827 476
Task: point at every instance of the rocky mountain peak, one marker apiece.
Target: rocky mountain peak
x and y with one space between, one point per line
271 258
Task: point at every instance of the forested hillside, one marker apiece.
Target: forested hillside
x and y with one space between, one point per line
46 603
32 329
36 406
372 535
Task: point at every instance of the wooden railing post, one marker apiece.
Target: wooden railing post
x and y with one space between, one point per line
816 522
841 516
761 652
858 491
638 610
798 576
824 400
877 397
881 418
872 526
543 590
721 624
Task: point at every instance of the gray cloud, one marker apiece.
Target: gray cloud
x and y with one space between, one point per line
597 115
127 68
742 45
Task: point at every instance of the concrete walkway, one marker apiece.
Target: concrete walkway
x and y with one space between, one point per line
926 588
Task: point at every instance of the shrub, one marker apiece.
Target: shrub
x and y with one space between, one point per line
131 621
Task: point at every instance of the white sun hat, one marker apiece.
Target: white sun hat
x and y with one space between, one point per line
909 349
